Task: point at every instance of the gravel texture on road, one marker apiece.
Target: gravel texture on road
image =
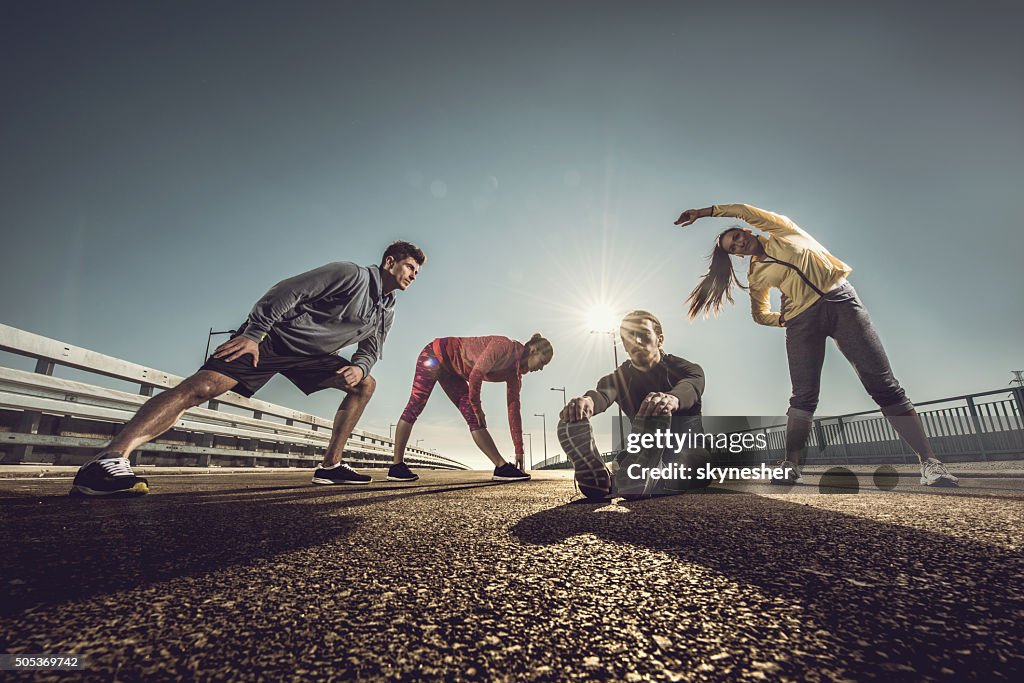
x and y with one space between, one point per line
248 577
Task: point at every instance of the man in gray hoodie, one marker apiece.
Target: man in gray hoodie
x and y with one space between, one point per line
295 330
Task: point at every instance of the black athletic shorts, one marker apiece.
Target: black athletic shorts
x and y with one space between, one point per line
308 373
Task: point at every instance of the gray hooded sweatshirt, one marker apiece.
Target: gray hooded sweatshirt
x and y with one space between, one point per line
326 309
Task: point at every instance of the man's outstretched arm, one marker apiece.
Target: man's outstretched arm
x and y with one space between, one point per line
594 402
690 386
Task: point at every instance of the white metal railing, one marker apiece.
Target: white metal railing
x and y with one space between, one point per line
982 426
64 408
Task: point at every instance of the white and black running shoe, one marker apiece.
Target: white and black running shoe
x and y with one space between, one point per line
401 472
791 475
108 477
509 472
934 473
341 473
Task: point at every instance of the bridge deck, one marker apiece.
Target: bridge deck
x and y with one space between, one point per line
262 574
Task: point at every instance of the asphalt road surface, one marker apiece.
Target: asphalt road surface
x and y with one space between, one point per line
262 575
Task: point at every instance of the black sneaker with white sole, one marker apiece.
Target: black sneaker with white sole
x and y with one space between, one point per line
509 472
341 473
592 476
108 477
401 472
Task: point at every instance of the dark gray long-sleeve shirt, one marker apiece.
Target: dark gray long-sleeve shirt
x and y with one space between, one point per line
629 386
326 309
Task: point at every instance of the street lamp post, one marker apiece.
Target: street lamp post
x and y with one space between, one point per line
390 427
562 389
544 417
209 336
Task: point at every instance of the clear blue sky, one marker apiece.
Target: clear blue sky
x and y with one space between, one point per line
165 163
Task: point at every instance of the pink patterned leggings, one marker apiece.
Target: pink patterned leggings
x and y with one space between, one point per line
430 370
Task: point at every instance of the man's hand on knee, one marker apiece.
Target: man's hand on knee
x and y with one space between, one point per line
236 348
351 376
658 403
577 409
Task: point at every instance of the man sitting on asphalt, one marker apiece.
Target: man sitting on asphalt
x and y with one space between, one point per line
656 390
296 330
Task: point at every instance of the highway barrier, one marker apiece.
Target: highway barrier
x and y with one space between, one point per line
48 419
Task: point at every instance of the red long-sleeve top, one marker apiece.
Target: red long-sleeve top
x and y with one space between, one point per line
492 359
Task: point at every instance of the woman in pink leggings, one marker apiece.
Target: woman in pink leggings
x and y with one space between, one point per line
461 365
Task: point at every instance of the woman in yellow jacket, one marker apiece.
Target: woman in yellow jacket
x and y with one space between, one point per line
817 302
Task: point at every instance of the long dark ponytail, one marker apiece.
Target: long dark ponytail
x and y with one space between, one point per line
706 298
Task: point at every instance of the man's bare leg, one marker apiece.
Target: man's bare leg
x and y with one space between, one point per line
109 473
160 413
345 420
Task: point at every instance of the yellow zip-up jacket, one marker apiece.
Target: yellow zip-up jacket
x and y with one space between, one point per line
785 242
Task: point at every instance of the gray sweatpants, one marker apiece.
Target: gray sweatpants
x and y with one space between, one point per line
840 315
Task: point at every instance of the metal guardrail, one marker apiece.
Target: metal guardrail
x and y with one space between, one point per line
560 462
554 462
965 428
982 426
51 415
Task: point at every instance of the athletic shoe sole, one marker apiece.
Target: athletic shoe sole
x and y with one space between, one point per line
390 478
590 472
317 480
494 478
139 489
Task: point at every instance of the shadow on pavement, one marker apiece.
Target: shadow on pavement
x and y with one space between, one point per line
893 601
75 548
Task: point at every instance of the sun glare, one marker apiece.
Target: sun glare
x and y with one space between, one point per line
601 318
